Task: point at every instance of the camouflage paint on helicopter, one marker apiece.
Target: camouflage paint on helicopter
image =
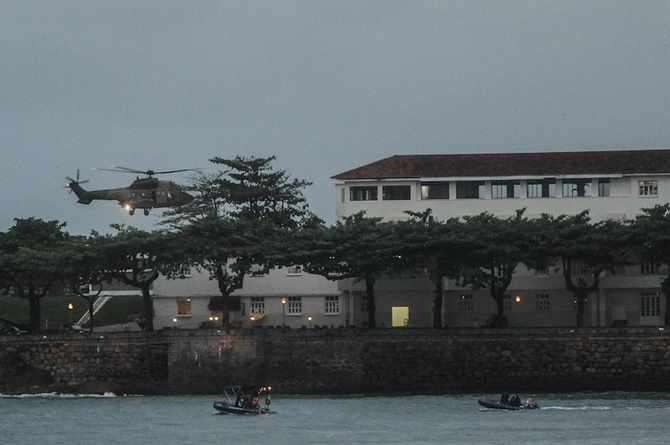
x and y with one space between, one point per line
144 193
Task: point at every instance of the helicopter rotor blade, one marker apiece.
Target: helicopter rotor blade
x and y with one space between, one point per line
118 168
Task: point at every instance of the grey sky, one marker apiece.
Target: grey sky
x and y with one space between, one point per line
326 86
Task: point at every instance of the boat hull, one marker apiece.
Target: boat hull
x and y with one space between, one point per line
227 408
494 404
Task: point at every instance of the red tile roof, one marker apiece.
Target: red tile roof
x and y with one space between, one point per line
514 164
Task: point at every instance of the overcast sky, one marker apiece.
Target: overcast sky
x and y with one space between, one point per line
326 86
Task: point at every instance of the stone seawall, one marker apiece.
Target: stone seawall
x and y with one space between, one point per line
340 361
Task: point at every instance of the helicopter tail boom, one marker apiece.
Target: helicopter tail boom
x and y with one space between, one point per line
83 195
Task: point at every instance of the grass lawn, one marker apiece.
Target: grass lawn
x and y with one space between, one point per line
55 310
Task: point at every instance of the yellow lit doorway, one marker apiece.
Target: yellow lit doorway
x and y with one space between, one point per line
400 315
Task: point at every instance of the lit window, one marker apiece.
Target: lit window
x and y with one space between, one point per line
183 306
257 305
434 190
332 305
294 306
467 303
542 302
396 193
363 193
648 188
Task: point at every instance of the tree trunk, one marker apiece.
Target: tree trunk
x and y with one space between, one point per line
148 308
370 295
665 287
581 304
437 303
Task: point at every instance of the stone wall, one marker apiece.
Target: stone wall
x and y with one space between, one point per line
84 363
344 360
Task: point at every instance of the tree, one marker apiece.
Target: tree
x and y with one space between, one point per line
31 254
356 247
651 232
585 250
134 257
498 246
83 268
434 247
237 220
227 249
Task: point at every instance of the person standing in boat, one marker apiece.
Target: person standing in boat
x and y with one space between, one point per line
504 398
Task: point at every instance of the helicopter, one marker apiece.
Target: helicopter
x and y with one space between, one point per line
144 193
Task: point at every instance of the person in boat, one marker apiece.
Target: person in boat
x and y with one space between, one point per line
504 398
515 401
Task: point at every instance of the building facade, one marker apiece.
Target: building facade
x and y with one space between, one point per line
609 184
285 297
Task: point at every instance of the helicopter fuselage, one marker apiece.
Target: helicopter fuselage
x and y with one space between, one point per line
143 193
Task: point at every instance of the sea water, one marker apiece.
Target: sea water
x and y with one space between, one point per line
583 418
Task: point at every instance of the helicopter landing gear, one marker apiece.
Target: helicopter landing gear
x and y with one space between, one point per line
131 212
146 212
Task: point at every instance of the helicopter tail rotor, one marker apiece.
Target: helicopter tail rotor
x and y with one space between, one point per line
74 186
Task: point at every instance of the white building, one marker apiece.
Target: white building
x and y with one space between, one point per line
283 298
610 184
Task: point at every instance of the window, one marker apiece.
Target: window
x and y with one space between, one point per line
363 193
257 270
467 303
648 188
395 193
576 187
183 306
542 302
332 305
257 305
541 189
507 302
586 304
578 268
294 270
294 306
604 187
649 267
470 190
435 190
650 305
505 189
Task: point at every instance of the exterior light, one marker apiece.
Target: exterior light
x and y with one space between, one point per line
310 321
174 323
518 299
70 307
283 312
